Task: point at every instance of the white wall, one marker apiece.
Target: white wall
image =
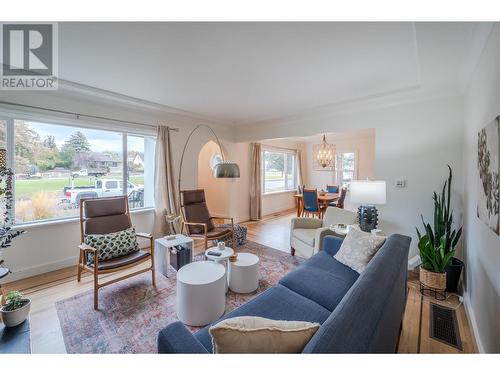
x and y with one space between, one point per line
215 188
482 245
414 141
52 246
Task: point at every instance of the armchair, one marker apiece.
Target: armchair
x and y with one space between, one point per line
306 234
198 222
105 216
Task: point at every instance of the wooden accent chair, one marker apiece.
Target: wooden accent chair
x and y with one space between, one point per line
104 216
312 206
340 202
198 222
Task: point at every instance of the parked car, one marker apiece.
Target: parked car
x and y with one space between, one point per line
101 188
89 172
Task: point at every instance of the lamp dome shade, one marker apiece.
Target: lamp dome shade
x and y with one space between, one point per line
226 169
368 192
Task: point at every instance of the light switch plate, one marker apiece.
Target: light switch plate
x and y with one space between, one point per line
400 183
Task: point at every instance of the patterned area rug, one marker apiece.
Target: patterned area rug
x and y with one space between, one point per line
132 312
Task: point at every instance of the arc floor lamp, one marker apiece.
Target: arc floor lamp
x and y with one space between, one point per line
224 169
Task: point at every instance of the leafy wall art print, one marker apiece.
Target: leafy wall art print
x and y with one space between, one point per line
488 164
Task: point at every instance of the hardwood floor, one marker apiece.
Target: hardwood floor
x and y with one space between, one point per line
44 290
415 337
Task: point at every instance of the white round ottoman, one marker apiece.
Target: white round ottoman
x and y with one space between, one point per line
244 273
201 293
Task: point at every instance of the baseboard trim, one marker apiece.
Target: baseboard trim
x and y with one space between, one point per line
24 273
473 323
278 210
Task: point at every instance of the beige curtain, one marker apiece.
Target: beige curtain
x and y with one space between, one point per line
165 193
300 178
256 183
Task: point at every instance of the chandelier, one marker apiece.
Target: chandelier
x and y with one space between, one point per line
325 154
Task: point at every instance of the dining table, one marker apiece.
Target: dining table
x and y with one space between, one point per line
324 199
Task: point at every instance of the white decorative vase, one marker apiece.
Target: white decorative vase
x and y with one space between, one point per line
16 317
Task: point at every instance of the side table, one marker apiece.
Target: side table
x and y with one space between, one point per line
164 245
15 339
221 259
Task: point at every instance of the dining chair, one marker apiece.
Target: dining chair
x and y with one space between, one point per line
311 203
340 202
332 188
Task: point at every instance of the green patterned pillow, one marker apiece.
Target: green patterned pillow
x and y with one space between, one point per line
112 245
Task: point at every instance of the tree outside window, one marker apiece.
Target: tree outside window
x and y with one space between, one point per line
279 171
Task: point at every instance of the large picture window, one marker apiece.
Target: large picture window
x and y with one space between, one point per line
56 166
279 171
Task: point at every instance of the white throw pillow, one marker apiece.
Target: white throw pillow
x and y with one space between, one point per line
358 248
253 334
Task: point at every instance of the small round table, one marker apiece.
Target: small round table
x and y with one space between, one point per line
244 273
201 294
222 258
225 254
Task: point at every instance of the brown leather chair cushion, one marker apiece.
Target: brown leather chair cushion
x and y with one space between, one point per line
125 260
218 233
196 210
105 206
106 224
193 196
105 215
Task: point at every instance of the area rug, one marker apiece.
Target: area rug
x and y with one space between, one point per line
132 312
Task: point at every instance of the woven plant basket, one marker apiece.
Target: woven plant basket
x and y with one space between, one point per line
433 280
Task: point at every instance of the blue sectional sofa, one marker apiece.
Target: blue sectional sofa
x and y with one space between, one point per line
358 313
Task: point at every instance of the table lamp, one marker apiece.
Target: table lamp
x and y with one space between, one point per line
368 193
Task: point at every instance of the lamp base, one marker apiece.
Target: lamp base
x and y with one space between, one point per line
367 217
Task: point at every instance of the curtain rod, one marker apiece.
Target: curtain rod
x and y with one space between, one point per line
78 115
279 148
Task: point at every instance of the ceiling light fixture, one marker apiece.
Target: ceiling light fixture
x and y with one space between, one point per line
326 154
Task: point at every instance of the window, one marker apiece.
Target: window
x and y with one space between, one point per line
140 156
56 166
3 127
279 171
215 159
346 168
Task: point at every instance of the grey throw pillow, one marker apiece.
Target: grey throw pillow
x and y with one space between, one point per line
112 245
358 248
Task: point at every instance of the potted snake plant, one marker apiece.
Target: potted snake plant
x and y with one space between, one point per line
437 244
16 309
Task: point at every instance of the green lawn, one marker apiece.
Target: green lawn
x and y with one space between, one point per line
54 186
138 180
272 175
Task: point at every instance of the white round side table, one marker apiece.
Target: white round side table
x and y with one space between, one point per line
222 258
201 293
244 273
224 254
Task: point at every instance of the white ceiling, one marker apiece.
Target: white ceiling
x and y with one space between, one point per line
241 73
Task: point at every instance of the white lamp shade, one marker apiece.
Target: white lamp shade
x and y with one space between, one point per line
368 192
